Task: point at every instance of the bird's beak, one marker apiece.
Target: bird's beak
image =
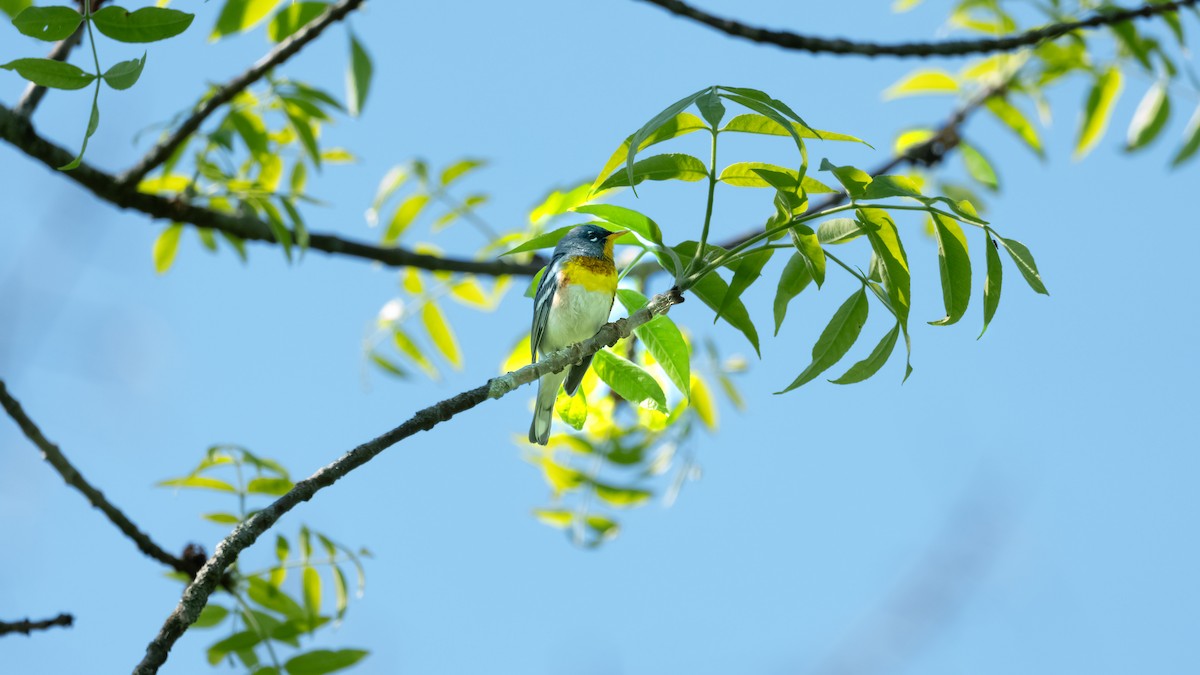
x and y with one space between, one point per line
616 235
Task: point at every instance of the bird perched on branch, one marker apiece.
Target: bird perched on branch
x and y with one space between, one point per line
573 301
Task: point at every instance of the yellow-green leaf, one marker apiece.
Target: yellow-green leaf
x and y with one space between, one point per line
165 247
1100 102
441 333
923 82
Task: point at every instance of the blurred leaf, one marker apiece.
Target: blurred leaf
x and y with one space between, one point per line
200 482
441 334
292 18
405 214
271 598
269 486
125 74
955 267
210 616
165 247
358 77
409 348
222 518
572 409
387 365
1192 144
51 73
701 401
629 381
991 286
148 24
340 591
558 202
558 518
620 497
320 661
1015 120
874 361
458 170
1025 264
978 167
241 15
238 641
312 591
1150 117
1100 102
625 218
48 23
659 167
792 281
14 7
836 339
923 82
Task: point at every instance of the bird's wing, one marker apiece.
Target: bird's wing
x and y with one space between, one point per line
542 300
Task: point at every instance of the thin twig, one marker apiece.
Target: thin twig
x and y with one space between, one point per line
819 45
52 454
282 52
195 596
26 627
20 132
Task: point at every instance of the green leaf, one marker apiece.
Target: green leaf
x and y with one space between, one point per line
407 346
458 170
292 18
882 187
1024 260
675 166
358 77
441 334
545 240
765 99
885 241
620 497
241 15
809 246
752 123
853 179
320 661
210 616
269 486
679 125
51 73
838 231
796 276
770 112
955 267
340 591
625 218
663 118
761 175
923 82
711 108
746 271
629 381
14 7
165 247
312 591
48 23
200 482
222 518
300 123
837 338
978 167
874 361
991 286
282 548
148 24
125 74
405 214
663 340
236 642
387 365
1100 103
1149 118
271 598
1192 144
572 409
557 518
1016 121
711 289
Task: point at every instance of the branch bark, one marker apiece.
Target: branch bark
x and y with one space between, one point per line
195 596
282 52
20 132
52 454
26 627
819 45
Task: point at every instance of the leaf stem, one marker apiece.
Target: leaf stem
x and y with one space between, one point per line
708 209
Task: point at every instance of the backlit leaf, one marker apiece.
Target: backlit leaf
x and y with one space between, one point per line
292 18
874 361
752 123
837 338
621 497
853 179
978 166
679 125
1192 142
441 334
663 118
1098 109
629 381
702 402
269 486
321 661
199 482
885 240
663 340
1150 117
955 267
165 248
1015 120
674 166
923 82
544 240
241 15
838 231
358 77
311 580
624 218
572 409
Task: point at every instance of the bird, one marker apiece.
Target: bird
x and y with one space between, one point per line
573 300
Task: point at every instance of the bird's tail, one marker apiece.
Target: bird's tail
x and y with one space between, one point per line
543 408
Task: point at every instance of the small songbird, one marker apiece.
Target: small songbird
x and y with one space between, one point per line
572 302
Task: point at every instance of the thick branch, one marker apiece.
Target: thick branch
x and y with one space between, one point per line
195 596
282 52
820 45
20 132
52 454
26 627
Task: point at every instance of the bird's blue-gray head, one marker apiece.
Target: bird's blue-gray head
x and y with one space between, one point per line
589 240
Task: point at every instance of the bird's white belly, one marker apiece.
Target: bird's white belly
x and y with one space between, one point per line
576 315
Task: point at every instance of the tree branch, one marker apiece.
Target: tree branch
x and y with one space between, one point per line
820 45
195 596
282 52
20 132
52 454
26 627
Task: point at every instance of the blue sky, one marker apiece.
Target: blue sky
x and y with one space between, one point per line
1040 480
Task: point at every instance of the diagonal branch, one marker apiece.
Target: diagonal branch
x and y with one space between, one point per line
26 627
20 132
52 454
282 52
820 45
195 596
